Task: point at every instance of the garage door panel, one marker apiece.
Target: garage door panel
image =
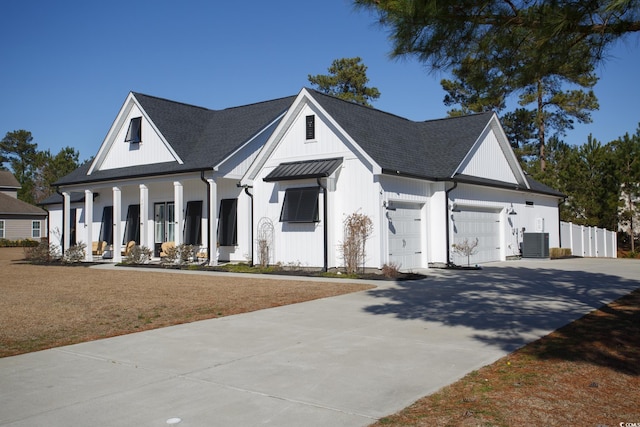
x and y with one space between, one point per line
405 241
485 226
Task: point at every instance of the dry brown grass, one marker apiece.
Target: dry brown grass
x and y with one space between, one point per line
584 374
49 306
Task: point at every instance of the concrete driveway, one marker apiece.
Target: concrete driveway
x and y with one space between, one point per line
342 361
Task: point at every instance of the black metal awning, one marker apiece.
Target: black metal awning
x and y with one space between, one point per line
304 170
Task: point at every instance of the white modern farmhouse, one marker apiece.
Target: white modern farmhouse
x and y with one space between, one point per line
285 174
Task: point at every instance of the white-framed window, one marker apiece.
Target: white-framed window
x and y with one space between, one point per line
35 229
1 228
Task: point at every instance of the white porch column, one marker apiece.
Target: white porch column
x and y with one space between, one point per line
66 225
178 200
117 224
213 222
144 217
88 223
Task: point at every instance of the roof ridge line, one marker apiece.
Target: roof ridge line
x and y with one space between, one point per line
257 103
172 101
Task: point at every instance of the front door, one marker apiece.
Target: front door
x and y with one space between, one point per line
165 226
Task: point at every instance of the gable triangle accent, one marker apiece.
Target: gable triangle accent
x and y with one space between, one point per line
120 150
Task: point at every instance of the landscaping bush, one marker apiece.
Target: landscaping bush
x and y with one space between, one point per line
391 270
357 229
138 255
180 255
75 253
21 243
42 253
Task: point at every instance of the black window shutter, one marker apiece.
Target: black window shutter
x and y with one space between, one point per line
228 226
300 205
192 223
132 226
106 227
134 134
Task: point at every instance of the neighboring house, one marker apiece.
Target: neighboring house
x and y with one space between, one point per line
283 175
19 220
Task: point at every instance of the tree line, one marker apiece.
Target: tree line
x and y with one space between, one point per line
35 170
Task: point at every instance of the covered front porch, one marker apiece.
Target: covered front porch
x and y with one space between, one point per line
158 213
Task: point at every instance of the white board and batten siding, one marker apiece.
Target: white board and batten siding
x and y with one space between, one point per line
152 149
487 160
352 189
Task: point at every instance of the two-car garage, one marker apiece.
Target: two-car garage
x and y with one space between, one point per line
468 223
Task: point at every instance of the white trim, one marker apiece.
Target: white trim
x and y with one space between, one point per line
304 98
109 140
494 124
237 150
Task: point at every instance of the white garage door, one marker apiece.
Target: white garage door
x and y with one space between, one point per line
405 230
483 225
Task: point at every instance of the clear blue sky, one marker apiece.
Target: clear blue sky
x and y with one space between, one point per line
67 66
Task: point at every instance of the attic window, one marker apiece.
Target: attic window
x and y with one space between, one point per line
134 134
300 205
311 127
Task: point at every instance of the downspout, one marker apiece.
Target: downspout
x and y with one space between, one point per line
63 222
446 216
208 216
246 190
326 231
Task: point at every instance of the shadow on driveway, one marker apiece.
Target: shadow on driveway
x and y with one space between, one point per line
506 307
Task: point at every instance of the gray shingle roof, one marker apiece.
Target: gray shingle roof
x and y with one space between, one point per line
201 137
10 206
430 149
56 199
8 181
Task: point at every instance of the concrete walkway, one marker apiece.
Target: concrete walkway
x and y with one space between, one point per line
342 361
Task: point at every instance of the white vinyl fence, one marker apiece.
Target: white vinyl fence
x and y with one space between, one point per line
588 241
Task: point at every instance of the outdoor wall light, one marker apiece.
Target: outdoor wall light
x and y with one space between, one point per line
512 211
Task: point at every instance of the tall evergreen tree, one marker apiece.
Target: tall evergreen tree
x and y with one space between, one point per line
51 168
442 33
347 79
20 152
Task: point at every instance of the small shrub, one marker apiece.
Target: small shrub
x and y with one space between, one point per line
20 243
357 229
632 254
180 255
263 252
75 253
42 253
138 255
391 270
466 248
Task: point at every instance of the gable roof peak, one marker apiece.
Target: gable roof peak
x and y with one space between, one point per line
352 104
139 95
